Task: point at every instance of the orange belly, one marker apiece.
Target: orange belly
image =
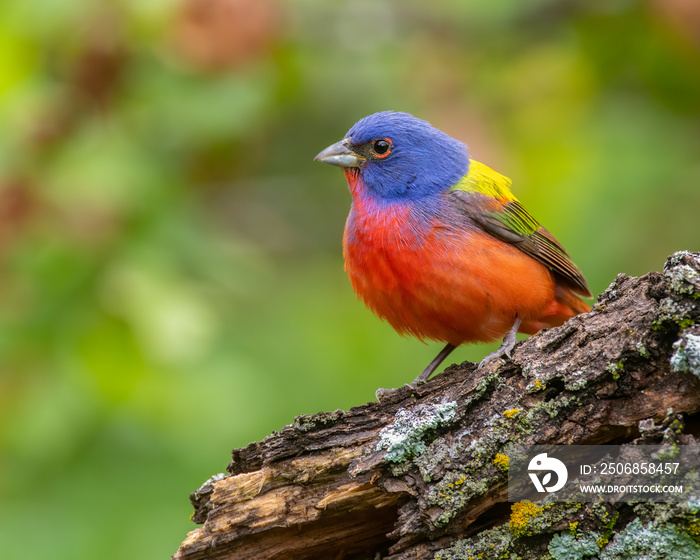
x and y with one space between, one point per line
450 286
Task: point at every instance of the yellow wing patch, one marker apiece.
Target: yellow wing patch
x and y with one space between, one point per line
484 180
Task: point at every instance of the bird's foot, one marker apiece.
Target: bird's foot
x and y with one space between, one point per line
501 353
506 348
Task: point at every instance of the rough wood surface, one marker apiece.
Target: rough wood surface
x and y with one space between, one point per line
417 475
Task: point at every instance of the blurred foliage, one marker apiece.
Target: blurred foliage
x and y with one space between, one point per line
171 283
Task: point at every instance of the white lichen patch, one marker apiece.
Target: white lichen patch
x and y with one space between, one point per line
686 354
682 271
683 279
404 437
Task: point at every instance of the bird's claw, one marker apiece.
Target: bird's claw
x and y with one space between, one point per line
493 356
506 348
505 351
381 393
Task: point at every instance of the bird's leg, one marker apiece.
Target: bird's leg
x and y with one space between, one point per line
432 366
427 372
508 343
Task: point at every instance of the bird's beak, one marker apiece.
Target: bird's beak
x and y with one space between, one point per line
340 155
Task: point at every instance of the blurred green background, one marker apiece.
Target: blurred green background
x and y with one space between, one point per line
171 281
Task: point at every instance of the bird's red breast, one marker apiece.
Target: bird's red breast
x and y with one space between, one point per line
436 281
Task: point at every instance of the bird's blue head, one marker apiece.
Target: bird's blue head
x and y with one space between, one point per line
399 157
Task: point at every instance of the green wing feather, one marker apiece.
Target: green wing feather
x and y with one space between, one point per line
486 198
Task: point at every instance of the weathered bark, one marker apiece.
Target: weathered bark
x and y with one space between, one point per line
415 475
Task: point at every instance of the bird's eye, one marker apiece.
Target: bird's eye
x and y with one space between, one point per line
381 148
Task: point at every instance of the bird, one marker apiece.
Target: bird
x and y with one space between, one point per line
437 245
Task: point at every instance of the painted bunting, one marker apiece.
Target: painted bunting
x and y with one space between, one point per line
437 245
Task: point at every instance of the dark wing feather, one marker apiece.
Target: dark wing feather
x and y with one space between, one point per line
511 223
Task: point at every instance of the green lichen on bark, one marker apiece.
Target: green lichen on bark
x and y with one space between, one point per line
660 532
578 380
551 408
493 543
527 532
642 350
474 475
671 311
477 470
651 541
310 422
566 546
455 490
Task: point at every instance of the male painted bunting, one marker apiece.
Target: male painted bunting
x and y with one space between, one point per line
437 245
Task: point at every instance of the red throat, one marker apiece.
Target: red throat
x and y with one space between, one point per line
352 174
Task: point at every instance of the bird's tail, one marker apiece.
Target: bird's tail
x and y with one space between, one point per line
563 306
568 298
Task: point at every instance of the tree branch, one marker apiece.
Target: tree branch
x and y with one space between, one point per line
418 474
